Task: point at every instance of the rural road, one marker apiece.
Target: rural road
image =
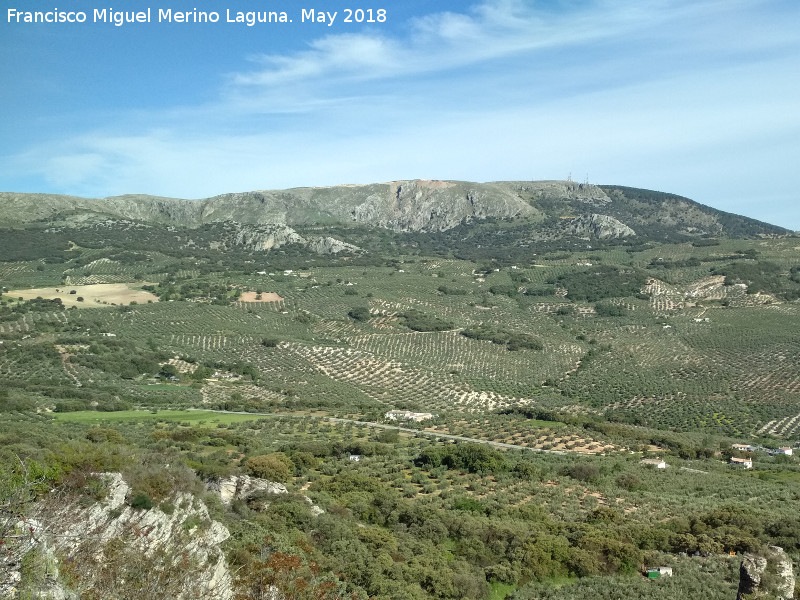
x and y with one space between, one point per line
435 434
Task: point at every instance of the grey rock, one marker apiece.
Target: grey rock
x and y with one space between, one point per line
84 533
266 237
329 245
585 193
30 536
246 488
597 226
766 575
243 487
415 205
436 205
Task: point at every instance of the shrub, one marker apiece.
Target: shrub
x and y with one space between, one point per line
141 502
418 321
606 309
99 434
582 472
270 466
359 313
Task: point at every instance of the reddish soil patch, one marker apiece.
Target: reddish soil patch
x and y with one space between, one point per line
265 297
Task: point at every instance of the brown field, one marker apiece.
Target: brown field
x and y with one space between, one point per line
265 297
94 296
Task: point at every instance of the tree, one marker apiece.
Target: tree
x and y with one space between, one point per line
270 466
359 313
168 371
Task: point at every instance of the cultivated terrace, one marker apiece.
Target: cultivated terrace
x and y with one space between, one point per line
554 344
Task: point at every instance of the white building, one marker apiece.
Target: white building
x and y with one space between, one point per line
742 447
407 415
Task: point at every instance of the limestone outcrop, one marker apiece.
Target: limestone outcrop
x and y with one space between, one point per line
32 552
597 226
266 237
243 487
173 549
329 245
766 575
248 489
272 236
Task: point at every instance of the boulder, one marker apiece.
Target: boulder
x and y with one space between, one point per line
768 574
243 487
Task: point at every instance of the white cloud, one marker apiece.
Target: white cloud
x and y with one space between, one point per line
438 42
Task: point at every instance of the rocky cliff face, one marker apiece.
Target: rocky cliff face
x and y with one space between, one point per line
597 226
248 489
329 245
34 554
270 236
169 551
266 237
585 193
401 206
437 205
767 575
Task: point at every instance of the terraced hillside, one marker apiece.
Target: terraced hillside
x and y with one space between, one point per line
534 361
653 336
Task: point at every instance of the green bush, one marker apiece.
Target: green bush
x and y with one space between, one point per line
359 313
274 467
141 502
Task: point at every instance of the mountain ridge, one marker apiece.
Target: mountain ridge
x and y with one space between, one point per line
408 206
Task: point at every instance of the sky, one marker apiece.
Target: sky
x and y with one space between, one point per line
697 98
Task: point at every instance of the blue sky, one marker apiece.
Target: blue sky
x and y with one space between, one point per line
698 98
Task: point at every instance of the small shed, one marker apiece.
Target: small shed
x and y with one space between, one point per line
355 457
657 572
655 463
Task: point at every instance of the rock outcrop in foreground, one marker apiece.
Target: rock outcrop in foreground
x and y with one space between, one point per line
251 490
110 549
766 575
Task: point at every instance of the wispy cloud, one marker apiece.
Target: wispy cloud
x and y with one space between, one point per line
432 43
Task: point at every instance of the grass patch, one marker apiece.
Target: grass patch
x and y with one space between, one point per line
203 418
501 591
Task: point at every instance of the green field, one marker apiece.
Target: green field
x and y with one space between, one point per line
199 418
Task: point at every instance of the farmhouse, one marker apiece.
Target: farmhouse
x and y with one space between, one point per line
742 447
655 463
784 450
407 415
745 463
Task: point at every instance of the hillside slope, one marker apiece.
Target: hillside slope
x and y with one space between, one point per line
562 207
